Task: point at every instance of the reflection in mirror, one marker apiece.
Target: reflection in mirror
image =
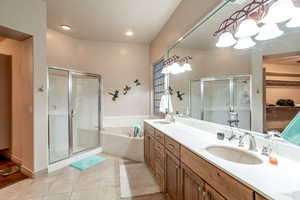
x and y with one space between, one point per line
245 74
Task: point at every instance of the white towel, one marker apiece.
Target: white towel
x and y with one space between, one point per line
166 104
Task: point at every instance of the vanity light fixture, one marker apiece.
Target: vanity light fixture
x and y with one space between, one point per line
226 40
279 11
129 33
269 31
247 28
185 62
176 68
244 43
295 21
66 27
174 65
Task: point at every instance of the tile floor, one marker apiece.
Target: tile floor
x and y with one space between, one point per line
100 182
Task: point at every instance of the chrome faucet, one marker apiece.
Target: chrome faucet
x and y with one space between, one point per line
252 141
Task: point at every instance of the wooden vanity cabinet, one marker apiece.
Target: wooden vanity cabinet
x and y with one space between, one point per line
191 185
211 194
149 147
259 197
172 173
183 175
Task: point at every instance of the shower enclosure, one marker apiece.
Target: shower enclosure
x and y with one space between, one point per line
222 100
74 112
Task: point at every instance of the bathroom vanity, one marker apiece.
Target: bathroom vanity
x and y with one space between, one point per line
185 170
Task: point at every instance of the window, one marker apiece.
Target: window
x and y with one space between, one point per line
158 86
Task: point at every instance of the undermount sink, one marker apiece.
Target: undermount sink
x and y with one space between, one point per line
162 122
234 155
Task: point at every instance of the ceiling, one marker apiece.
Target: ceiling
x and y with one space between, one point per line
108 20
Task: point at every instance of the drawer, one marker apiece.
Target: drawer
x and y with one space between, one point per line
159 148
220 181
148 130
172 146
159 136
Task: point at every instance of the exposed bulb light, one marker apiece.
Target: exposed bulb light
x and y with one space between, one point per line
244 43
295 21
129 33
65 27
280 11
247 28
269 31
187 67
226 40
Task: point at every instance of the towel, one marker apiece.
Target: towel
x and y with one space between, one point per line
166 104
292 132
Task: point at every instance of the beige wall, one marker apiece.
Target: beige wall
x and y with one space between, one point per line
118 63
19 15
22 98
187 14
5 101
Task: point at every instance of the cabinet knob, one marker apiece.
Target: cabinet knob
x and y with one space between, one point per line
204 193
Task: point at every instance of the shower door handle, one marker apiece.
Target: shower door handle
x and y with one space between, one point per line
73 113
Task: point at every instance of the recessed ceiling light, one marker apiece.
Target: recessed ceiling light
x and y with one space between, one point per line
129 33
66 27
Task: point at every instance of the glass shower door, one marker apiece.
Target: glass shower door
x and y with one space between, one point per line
85 101
58 111
241 101
215 100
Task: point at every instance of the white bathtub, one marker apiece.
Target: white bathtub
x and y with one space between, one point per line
118 141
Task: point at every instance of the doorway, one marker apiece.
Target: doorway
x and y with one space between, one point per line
74 112
281 100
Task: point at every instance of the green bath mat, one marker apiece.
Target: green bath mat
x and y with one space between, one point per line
87 162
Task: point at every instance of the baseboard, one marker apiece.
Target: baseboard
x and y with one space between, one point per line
27 171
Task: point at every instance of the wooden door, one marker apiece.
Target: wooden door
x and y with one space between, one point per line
211 194
172 176
192 186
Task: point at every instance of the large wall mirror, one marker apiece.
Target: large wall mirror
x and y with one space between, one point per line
246 71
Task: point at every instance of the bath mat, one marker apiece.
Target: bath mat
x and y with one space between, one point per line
87 162
137 180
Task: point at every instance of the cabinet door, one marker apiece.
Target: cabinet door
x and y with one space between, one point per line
147 149
192 186
172 176
259 197
211 194
152 153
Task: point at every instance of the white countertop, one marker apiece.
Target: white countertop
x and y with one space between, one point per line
280 182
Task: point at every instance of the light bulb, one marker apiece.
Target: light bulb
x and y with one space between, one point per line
226 40
295 21
166 70
176 69
244 43
247 28
269 31
279 11
187 67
